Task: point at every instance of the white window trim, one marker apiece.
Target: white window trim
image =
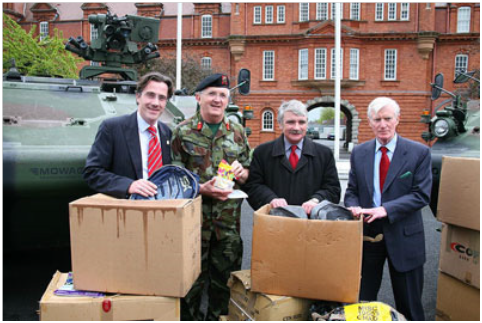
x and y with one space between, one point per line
280 9
263 124
394 67
264 65
332 67
302 52
266 15
466 60
459 29
407 10
394 6
257 8
42 32
307 9
379 5
352 5
322 63
203 35
203 63
319 12
352 50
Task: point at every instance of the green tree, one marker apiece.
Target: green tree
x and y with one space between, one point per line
329 114
33 57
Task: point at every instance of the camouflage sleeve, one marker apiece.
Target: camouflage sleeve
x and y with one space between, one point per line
176 148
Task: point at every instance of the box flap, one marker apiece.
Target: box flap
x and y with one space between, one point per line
108 201
243 276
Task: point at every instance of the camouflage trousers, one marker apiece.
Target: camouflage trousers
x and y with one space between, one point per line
219 259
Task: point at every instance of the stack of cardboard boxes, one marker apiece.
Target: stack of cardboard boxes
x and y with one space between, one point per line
146 248
458 293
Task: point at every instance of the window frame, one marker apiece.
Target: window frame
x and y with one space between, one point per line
405 11
266 21
303 64
467 21
264 120
301 11
386 65
332 72
204 26
204 65
320 63
281 12
332 11
357 64
466 57
43 30
320 12
255 14
379 6
265 78
392 5
352 6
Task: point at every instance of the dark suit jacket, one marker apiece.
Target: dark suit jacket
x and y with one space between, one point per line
406 191
271 175
115 159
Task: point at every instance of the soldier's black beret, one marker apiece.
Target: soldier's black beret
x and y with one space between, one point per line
215 80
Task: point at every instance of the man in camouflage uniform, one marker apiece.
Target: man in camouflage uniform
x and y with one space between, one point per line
200 144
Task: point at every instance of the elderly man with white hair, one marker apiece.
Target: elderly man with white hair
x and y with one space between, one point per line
389 183
292 169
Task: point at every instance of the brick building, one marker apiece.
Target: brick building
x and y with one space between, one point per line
388 49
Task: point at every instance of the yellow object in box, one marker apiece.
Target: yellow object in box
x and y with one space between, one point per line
108 308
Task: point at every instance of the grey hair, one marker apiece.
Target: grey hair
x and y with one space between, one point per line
295 106
381 102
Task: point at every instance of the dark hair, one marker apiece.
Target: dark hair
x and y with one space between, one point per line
156 77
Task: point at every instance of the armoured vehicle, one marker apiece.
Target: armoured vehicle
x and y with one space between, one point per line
455 125
49 125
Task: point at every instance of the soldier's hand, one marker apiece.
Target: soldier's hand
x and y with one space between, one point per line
143 187
209 189
278 203
240 173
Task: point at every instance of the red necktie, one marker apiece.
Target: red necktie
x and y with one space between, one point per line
154 159
293 157
384 164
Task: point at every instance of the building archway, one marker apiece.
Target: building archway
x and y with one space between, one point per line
352 117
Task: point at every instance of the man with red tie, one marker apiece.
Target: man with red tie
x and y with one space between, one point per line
389 183
129 148
292 170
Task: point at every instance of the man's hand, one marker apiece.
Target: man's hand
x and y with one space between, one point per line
356 211
278 203
308 206
374 214
143 187
210 190
240 173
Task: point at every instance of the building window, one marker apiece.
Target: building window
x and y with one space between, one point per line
206 63
463 20
392 11
390 64
333 57
320 63
44 30
268 65
257 15
281 14
94 32
303 64
268 118
269 14
333 15
206 26
354 63
236 9
304 11
379 11
322 11
355 11
461 63
405 11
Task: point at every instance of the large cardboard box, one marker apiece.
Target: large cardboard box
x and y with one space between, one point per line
108 308
245 305
459 192
306 258
456 301
460 254
135 246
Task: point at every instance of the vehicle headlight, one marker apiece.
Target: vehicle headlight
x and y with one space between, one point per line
234 117
441 128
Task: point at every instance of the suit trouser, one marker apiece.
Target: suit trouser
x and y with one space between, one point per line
407 286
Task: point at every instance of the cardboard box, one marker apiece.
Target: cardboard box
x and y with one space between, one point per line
306 258
245 305
223 318
459 192
456 301
460 254
135 246
109 308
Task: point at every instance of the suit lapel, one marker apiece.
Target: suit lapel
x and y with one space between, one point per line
369 160
396 165
279 151
131 134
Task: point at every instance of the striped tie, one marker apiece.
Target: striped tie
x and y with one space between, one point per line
154 159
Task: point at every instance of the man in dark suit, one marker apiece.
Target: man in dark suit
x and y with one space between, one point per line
292 170
126 148
389 183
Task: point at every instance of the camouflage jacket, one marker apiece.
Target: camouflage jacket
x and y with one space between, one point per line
193 147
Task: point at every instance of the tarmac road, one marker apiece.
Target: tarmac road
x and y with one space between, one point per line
27 274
